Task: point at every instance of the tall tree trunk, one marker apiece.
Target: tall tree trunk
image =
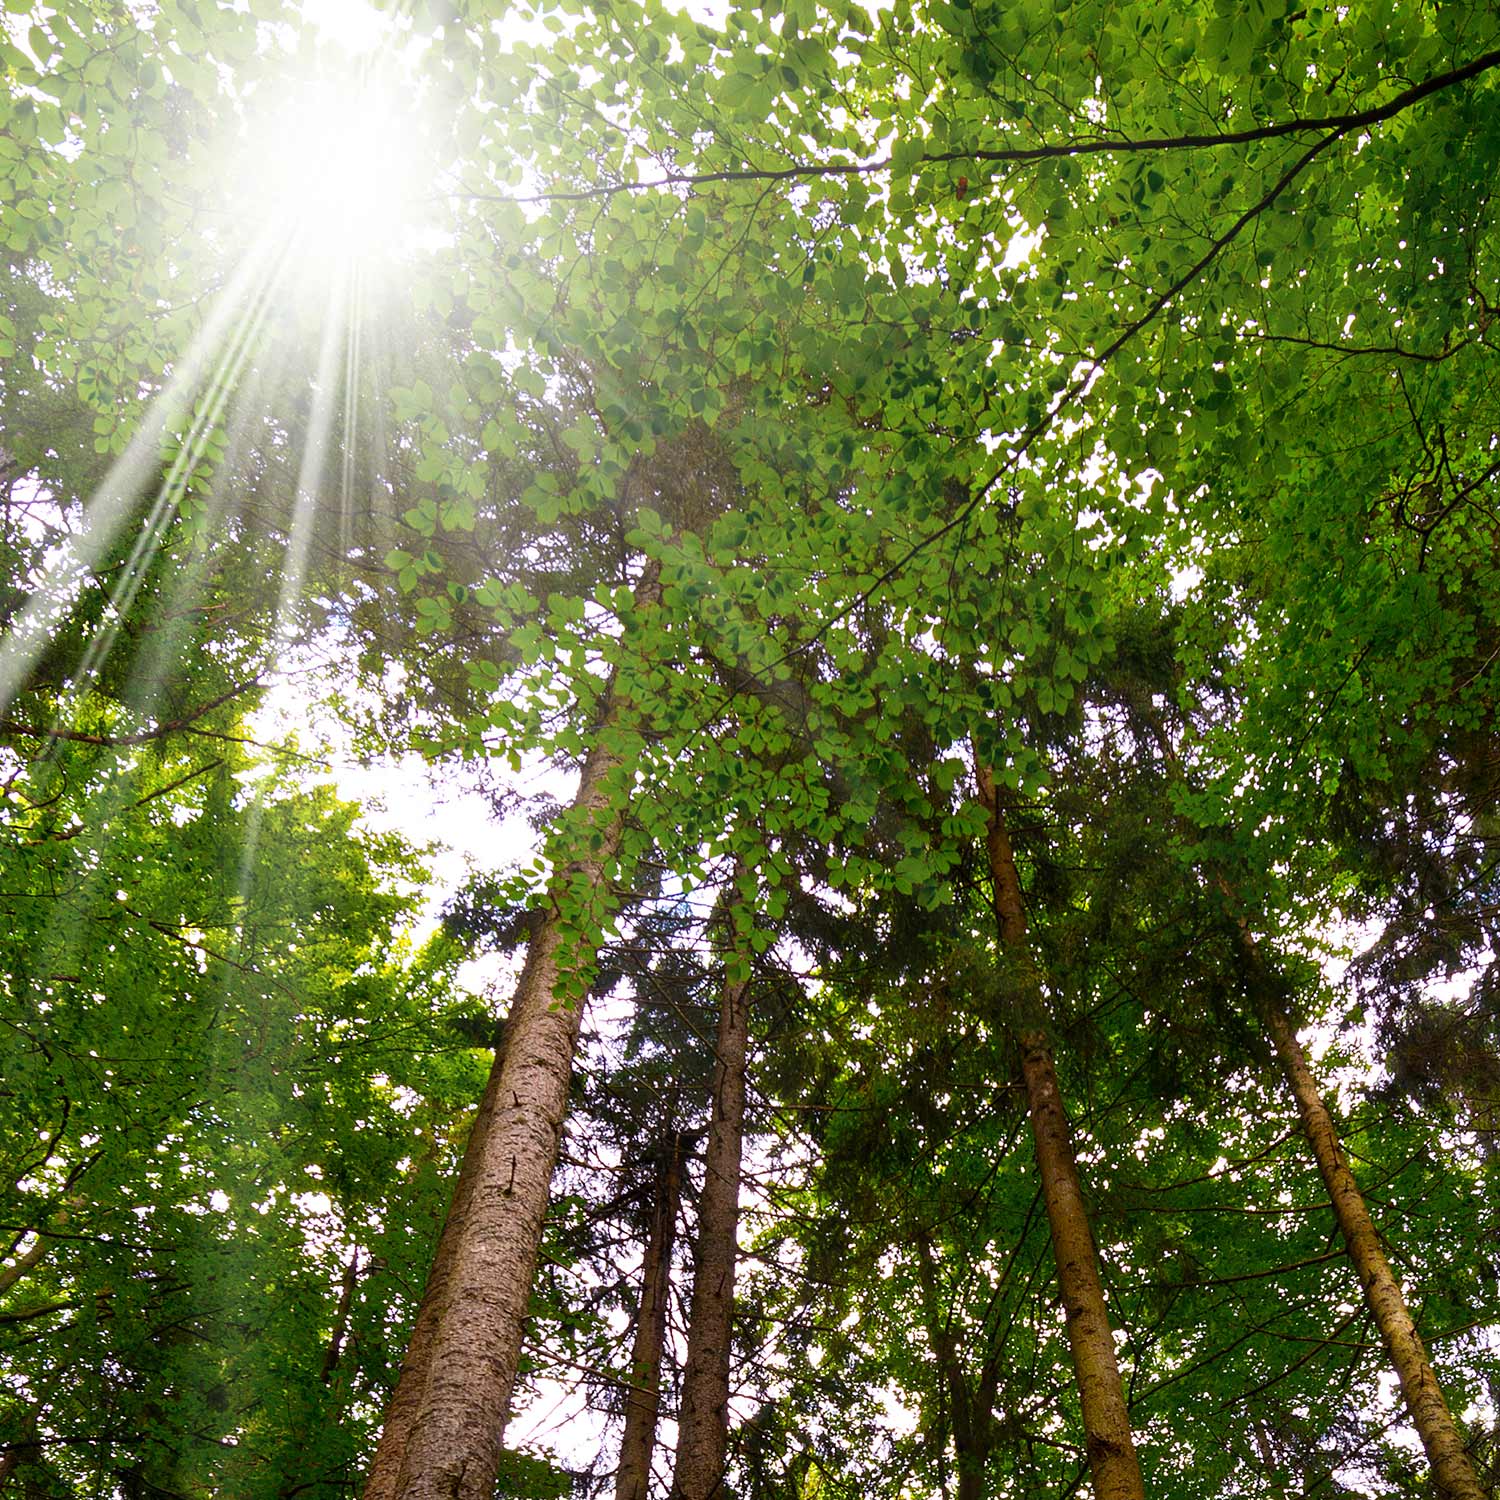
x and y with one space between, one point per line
1435 1426
453 1446
1106 1419
1444 1445
703 1422
633 1480
401 1413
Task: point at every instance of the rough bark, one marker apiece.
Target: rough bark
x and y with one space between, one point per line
1444 1445
453 1447
642 1400
401 1413
1110 1445
703 1422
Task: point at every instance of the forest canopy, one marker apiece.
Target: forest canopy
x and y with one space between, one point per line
968 533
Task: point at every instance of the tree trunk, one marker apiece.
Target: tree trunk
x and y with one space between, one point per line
703 1422
335 1349
401 1413
1440 1436
1106 1419
12 1458
302 1466
971 1484
11 1274
24 1449
973 1419
453 1447
633 1480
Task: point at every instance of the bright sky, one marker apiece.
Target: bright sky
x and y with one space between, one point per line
438 806
354 24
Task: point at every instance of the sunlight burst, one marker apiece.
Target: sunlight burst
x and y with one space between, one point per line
338 173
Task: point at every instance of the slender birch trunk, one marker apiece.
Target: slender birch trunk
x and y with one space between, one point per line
1110 1445
1439 1434
643 1399
1444 1444
703 1422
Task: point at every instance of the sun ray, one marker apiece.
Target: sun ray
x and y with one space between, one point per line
314 459
222 385
152 673
299 542
109 511
352 355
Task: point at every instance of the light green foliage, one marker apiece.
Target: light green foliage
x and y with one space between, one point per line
213 1104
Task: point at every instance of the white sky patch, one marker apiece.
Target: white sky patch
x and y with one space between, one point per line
1022 246
354 25
436 807
1184 581
341 156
